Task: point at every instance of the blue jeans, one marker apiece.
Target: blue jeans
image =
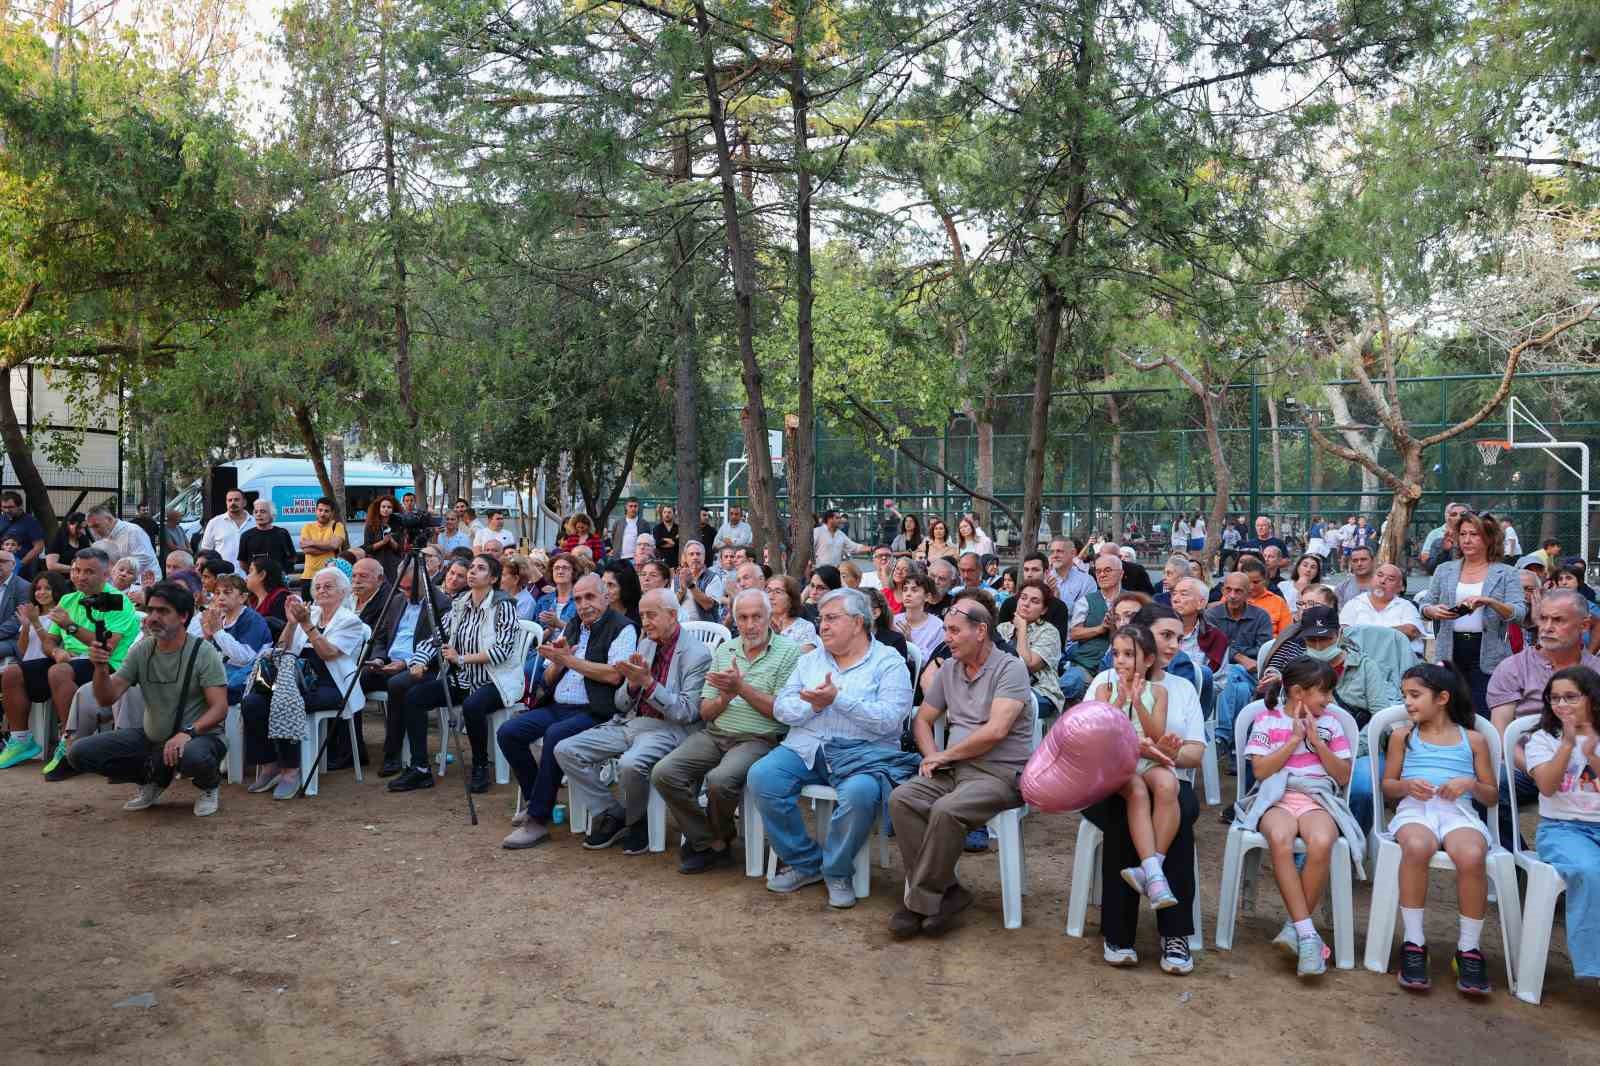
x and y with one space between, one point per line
776 780
540 779
1208 693
1527 796
1573 848
1363 789
1238 689
1074 683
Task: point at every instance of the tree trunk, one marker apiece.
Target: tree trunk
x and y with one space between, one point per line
1224 478
753 419
397 246
1392 547
1277 456
313 442
21 456
686 376
802 459
1114 419
336 460
983 418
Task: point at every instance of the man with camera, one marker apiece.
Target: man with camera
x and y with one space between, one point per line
185 702
93 610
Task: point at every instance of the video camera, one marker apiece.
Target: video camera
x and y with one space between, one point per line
419 524
104 603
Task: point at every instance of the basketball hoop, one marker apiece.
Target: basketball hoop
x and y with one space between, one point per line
1490 450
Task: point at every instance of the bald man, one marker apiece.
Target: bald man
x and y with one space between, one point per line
1383 605
656 707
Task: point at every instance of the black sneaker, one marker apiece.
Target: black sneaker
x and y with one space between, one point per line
411 779
480 778
390 768
636 840
698 862
61 771
1414 967
1472 976
604 831
1175 957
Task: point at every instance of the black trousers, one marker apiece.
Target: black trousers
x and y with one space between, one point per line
128 756
261 750
394 713
476 706
1119 904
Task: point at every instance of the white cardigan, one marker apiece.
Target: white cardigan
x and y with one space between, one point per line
349 634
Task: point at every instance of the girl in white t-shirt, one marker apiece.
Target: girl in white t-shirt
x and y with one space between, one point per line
1564 758
1151 793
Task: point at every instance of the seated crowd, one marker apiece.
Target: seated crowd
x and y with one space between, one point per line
912 690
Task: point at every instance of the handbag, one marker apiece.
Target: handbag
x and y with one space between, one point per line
265 674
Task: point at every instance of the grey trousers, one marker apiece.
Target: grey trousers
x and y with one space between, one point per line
637 744
723 763
932 816
127 755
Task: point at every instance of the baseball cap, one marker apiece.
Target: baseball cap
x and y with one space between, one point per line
1530 560
1318 620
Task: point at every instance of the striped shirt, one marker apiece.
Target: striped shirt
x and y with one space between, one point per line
765 673
464 624
1273 728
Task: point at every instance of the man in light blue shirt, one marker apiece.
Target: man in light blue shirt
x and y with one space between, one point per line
851 688
454 535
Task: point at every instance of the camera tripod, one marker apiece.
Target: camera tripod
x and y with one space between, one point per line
421 593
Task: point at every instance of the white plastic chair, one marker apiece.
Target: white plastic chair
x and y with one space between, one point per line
711 634
233 736
1087 889
1236 871
42 724
312 744
824 798
1545 885
1386 872
531 636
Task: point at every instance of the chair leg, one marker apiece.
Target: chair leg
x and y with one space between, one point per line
1233 863
1211 773
233 736
1503 875
1085 872
355 749
755 835
1197 939
1538 921
1385 904
656 820
1007 826
1344 910
310 767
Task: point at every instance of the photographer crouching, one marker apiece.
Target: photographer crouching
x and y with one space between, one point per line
185 701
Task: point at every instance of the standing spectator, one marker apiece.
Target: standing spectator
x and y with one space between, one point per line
16 522
1510 541
889 526
582 535
453 534
625 529
1263 538
223 532
938 544
380 538
707 533
172 536
72 536
323 539
1361 577
909 540
735 532
1440 543
1474 599
1231 538
666 535
969 538
119 539
830 544
266 539
496 531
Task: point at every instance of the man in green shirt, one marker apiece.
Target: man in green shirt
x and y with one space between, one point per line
746 673
65 666
185 692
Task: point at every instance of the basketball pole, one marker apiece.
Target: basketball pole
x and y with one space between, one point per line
1517 411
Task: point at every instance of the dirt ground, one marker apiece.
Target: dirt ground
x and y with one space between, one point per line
363 927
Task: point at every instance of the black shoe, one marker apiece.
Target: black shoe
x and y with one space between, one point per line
390 768
605 831
698 862
1414 967
1472 976
62 771
338 762
636 840
480 779
411 779
956 899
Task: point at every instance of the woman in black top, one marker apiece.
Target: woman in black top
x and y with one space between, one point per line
380 540
72 536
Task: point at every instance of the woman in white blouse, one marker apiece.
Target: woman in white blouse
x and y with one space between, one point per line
328 637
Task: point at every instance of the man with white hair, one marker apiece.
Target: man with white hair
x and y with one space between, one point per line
1135 578
644 549
697 602
1384 606
741 687
266 539
1091 625
945 579
657 706
852 689
120 540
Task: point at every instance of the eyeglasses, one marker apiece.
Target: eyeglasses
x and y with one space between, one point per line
1566 699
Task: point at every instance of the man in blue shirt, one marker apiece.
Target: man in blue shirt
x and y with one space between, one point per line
411 625
15 522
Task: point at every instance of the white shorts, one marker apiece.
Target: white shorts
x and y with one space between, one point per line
1441 817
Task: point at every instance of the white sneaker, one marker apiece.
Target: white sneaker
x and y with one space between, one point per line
1121 956
1287 939
205 804
841 892
147 797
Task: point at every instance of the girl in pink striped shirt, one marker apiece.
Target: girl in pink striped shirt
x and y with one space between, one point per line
1294 735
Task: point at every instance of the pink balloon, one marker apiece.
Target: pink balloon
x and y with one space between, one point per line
1089 754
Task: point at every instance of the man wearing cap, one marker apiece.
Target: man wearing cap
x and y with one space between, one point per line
1384 606
1440 543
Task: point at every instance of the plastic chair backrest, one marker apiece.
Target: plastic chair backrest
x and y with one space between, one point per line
711 634
1251 711
1519 728
1383 722
918 659
529 626
1264 654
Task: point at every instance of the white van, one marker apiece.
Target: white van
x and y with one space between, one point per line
291 486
